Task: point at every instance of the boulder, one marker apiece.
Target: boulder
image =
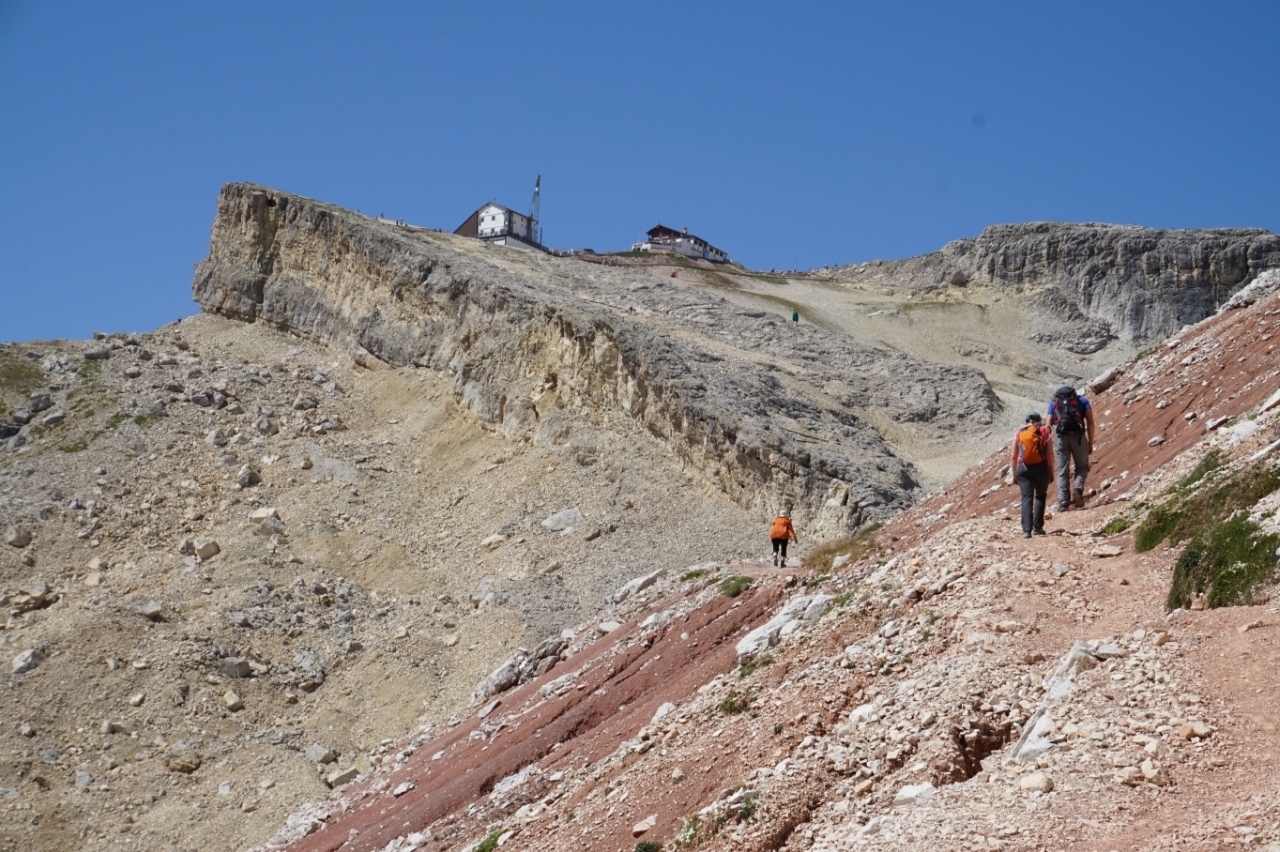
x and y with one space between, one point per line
17 537
28 660
564 519
798 612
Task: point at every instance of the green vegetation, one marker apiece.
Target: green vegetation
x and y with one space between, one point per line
689 834
777 727
1143 353
489 844
692 575
1117 524
857 547
1225 557
19 378
734 585
75 446
737 702
116 419
1212 461
146 421
91 370
648 846
745 809
750 666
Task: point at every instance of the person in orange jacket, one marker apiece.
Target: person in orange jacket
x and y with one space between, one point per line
780 532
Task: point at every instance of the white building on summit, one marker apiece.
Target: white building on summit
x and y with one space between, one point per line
683 242
502 226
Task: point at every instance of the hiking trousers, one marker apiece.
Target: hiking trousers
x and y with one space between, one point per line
1068 451
1033 482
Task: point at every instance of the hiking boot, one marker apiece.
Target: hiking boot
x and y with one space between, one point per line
1062 507
1026 535
1039 532
1077 498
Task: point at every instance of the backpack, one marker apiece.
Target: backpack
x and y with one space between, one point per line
1067 412
1029 440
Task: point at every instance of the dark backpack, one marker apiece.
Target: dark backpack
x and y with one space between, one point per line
1068 412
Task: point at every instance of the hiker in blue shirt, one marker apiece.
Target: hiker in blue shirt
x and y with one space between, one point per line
1071 419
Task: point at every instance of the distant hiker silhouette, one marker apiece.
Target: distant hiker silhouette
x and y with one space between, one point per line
1071 419
1032 467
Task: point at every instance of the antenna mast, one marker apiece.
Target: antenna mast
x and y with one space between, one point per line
535 211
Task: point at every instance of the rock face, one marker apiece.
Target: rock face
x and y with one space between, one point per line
1093 282
764 413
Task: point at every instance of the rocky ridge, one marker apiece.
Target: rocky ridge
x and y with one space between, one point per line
1092 283
761 412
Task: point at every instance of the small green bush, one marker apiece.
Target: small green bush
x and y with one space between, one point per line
692 575
857 547
750 666
816 581
1225 563
489 844
734 585
737 702
1116 525
146 421
648 846
116 419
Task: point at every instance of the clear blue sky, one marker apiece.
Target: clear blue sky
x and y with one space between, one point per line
791 135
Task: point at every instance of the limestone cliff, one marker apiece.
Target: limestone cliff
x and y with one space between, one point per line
1092 283
760 410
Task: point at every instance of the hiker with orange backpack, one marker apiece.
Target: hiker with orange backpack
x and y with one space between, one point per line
780 532
1032 466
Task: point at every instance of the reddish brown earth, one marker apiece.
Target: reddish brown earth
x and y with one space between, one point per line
615 697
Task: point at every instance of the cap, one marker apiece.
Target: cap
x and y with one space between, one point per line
1033 417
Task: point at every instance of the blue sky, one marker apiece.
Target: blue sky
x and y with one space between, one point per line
790 135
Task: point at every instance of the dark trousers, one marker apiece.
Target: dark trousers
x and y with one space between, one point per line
780 544
1033 482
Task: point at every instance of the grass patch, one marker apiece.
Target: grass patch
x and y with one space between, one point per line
648 846
816 581
1225 563
1211 462
692 575
857 547
751 666
76 446
734 585
1116 525
489 844
116 419
146 421
91 370
1186 516
1225 557
19 378
737 702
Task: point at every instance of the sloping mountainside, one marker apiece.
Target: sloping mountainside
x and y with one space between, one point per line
941 684
463 522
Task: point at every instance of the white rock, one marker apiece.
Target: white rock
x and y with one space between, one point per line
207 549
799 611
257 516
914 794
493 541
666 708
607 627
338 777
637 585
564 519
644 825
232 701
1156 441
1036 781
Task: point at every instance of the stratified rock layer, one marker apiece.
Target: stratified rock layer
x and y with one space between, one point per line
761 411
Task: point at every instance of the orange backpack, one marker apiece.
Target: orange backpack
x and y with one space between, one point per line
1030 441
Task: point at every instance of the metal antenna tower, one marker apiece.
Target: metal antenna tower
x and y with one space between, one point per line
535 211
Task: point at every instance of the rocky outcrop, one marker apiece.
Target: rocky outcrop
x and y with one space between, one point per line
1092 282
761 411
